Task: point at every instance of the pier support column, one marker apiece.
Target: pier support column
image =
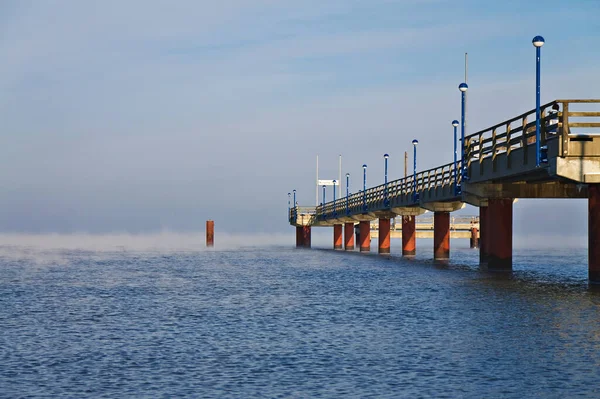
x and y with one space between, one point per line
349 236
474 237
384 236
365 236
306 236
594 233
483 235
409 242
337 236
500 221
299 237
441 235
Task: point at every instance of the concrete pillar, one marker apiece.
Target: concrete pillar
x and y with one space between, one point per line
384 236
365 236
299 237
500 221
594 233
337 236
441 235
306 236
474 237
483 235
210 233
409 242
349 236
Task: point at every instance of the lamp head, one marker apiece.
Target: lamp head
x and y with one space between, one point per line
347 174
415 142
294 191
463 87
538 41
365 166
455 123
386 156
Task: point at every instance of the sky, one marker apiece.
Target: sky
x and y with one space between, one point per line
140 116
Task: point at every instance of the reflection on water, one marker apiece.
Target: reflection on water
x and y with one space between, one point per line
281 322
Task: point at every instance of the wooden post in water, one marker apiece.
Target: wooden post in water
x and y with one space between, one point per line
210 233
474 237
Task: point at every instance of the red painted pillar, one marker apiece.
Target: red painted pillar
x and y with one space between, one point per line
365 236
337 236
306 236
483 235
474 237
210 233
384 236
594 233
299 237
349 236
441 235
409 242
500 221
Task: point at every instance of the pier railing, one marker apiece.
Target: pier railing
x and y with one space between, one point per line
400 192
559 122
426 223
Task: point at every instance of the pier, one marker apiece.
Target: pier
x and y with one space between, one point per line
549 152
460 227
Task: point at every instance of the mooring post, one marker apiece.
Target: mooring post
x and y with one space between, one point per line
210 233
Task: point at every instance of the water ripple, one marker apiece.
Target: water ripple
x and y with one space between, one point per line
282 323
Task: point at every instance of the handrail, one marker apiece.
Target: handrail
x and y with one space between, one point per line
502 138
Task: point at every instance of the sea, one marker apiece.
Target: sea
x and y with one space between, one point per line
109 317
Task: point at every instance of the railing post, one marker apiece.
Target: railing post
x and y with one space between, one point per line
481 153
508 150
565 129
494 149
524 139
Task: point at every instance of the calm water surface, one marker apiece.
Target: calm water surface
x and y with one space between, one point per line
280 322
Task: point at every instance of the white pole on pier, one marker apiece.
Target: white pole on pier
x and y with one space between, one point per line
340 174
317 184
466 77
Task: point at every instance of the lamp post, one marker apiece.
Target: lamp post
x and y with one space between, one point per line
289 203
538 42
347 192
323 195
414 143
365 187
455 125
463 87
294 198
385 189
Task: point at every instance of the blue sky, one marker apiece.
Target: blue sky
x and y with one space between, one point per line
147 115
